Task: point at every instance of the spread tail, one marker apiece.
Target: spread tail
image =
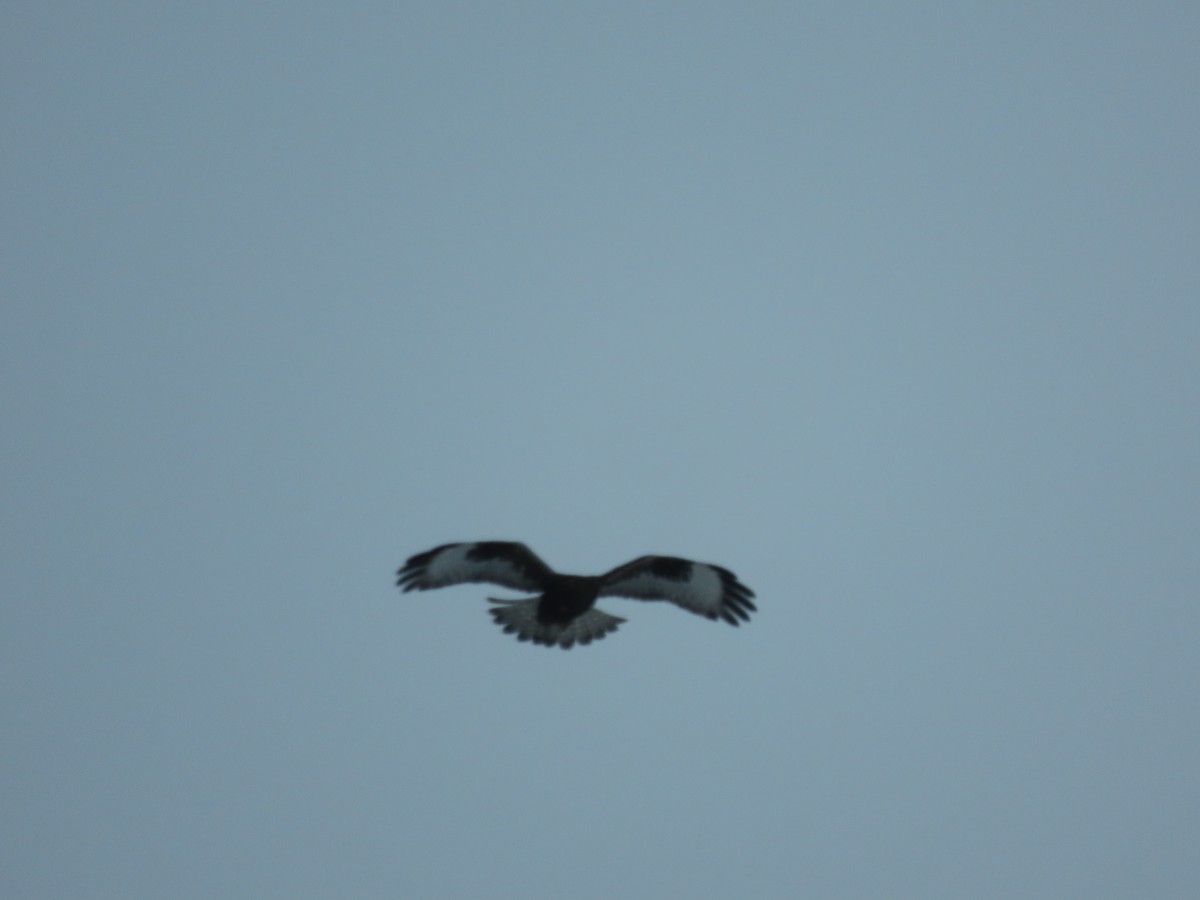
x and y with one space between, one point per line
520 617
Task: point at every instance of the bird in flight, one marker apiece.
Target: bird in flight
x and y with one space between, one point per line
564 612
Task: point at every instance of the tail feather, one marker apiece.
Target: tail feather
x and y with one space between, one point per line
519 617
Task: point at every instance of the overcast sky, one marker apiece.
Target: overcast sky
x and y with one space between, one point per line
890 308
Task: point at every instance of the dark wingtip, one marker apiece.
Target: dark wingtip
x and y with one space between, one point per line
407 575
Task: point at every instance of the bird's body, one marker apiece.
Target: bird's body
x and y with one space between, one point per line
566 597
564 613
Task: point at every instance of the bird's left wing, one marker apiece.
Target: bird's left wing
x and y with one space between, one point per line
506 563
701 588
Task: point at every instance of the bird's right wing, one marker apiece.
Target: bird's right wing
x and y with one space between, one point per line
702 588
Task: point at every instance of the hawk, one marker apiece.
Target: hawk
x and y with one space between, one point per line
564 612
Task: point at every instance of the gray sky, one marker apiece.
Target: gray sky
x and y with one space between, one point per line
890 308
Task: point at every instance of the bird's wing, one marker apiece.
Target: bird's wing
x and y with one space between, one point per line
506 563
701 588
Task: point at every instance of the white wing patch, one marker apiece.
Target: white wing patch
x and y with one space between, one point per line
701 593
508 564
519 617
